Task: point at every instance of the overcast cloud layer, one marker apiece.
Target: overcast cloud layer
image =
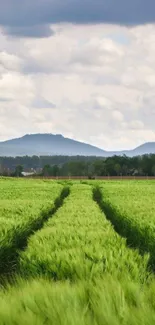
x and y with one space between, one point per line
93 83
21 17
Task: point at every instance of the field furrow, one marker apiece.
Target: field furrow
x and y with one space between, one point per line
79 243
131 209
76 268
22 213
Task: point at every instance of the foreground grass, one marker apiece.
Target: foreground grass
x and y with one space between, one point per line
109 302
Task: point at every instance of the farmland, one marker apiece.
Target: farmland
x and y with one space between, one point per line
77 252
131 209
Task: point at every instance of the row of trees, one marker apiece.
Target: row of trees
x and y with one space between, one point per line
112 166
80 166
38 163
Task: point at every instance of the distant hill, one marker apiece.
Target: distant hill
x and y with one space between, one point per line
145 148
50 144
47 144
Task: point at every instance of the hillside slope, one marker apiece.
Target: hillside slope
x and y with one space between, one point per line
50 144
47 144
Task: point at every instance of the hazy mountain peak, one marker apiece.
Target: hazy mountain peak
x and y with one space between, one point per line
47 144
56 144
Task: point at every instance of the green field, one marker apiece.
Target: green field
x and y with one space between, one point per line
77 252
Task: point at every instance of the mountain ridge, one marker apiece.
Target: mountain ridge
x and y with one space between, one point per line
41 144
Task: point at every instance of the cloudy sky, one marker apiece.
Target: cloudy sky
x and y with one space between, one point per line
82 68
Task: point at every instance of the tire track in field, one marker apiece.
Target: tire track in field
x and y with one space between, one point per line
134 239
9 259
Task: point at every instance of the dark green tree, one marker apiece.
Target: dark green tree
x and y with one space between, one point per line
18 171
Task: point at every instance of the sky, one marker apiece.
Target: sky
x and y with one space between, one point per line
81 68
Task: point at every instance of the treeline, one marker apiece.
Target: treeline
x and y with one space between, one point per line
80 166
36 162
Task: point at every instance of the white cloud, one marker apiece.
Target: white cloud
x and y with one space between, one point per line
93 83
137 125
10 61
118 116
16 87
104 101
